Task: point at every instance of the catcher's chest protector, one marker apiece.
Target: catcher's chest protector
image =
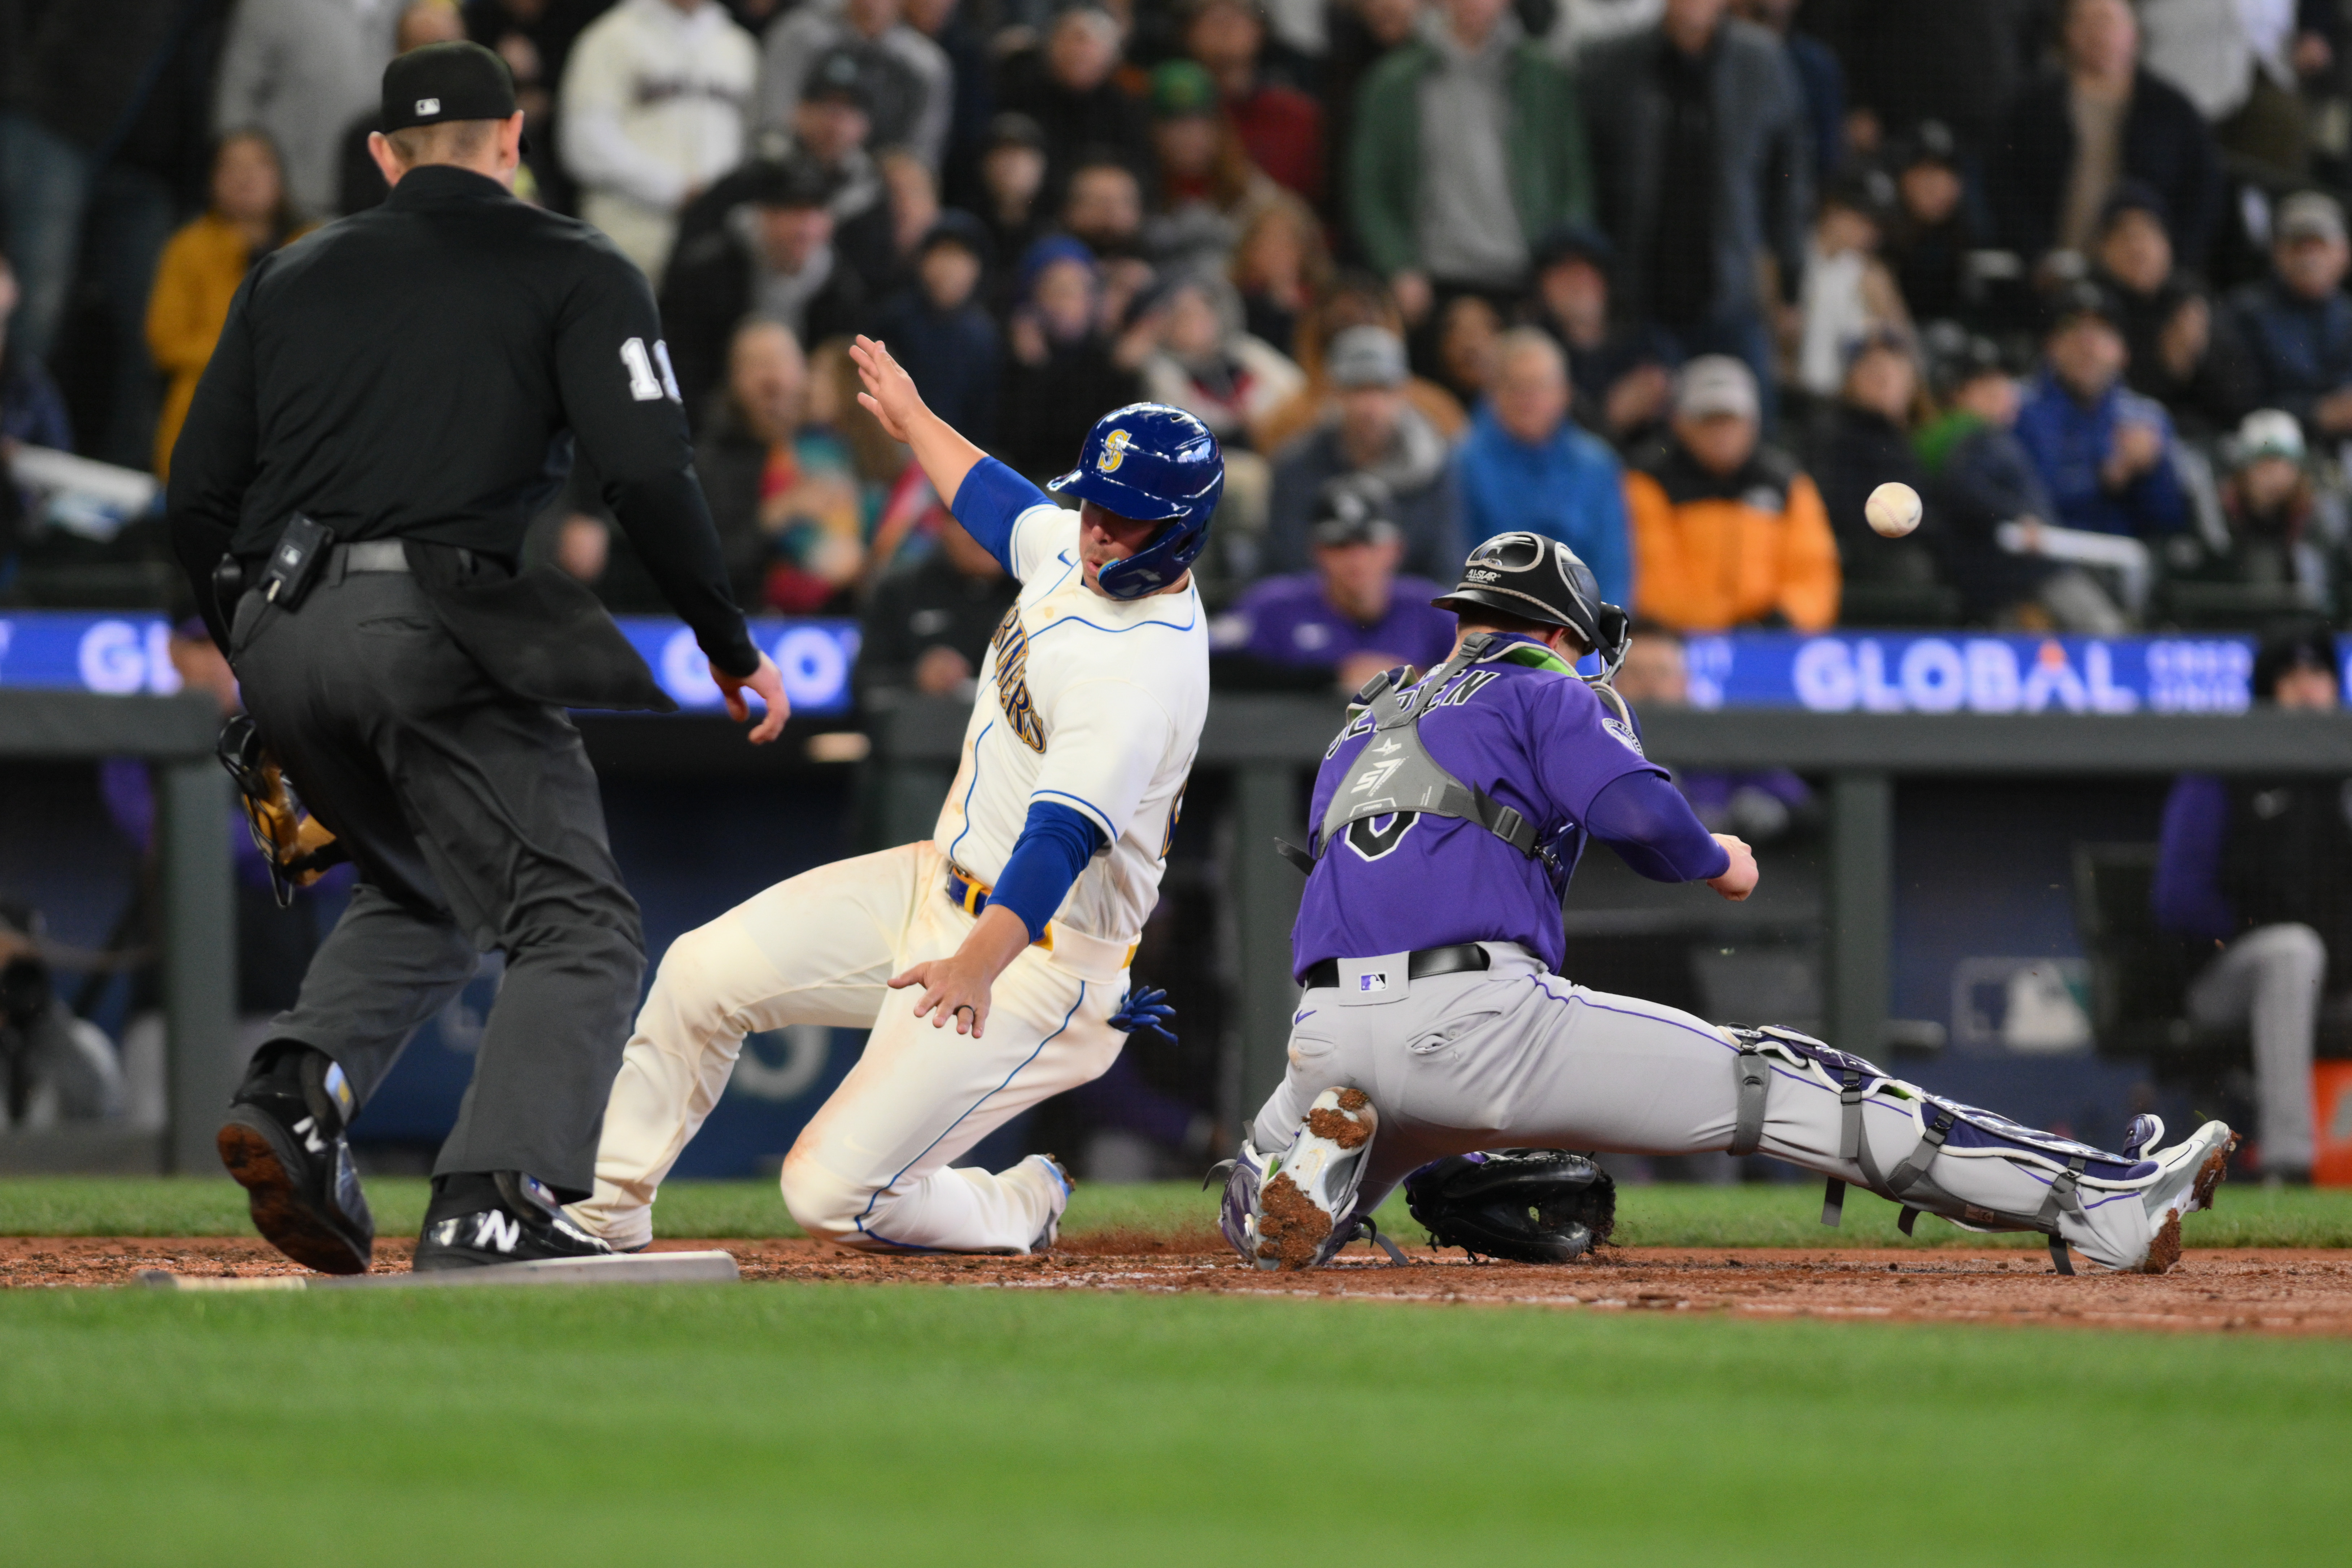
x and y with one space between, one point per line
1395 772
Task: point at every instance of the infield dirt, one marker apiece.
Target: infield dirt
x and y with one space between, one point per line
2259 1290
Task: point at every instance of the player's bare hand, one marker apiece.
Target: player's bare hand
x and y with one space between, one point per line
1738 878
888 391
955 988
768 683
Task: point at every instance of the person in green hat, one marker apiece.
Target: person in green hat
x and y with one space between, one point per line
1207 187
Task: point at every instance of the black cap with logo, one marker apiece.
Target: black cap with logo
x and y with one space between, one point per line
442 82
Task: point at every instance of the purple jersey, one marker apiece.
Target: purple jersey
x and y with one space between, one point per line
1286 620
1537 741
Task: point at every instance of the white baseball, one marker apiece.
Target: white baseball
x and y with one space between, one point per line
1893 509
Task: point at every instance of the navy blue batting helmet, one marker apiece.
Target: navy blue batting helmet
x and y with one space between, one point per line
1149 463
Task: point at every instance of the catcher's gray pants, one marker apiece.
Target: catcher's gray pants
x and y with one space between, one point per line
475 821
1515 1056
2270 979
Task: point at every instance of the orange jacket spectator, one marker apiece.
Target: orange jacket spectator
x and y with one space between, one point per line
201 267
1715 551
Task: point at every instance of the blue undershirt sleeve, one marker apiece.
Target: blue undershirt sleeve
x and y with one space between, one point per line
1652 828
1054 845
987 503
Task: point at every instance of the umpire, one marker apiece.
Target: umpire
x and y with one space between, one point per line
392 400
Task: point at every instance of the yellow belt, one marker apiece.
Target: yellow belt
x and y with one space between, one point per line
970 894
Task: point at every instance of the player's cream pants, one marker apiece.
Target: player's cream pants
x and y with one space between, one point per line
872 1169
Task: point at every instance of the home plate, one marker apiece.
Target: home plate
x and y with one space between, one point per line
713 1268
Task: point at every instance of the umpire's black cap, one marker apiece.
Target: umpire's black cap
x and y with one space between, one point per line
1539 579
442 82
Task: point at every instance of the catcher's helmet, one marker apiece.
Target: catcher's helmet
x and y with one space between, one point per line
1540 579
1151 463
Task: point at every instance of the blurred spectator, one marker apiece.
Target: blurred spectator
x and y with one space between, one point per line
2104 451
535 38
1349 618
939 333
1982 480
1207 363
782 493
1758 806
54 1066
1280 265
1727 531
1012 183
1207 184
1958 62
928 627
1354 299
302 70
2283 532
1934 226
1373 429
1061 375
911 196
1525 463
1281 128
971 91
914 84
775 257
2261 868
1818 76
249 218
1578 25
1865 443
1467 146
1467 329
359 184
1067 85
1701 103
2068 139
655 99
31 411
2296 324
1619 372
2240 64
2176 351
1102 206
1849 296
1363 33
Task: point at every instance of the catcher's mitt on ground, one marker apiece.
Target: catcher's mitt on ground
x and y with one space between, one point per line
1530 1206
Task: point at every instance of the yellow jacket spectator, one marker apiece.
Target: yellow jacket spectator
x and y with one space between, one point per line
1727 531
203 265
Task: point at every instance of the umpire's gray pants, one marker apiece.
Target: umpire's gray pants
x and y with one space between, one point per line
2270 979
1513 1056
475 821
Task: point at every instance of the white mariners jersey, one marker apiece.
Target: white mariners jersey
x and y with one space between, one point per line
1088 702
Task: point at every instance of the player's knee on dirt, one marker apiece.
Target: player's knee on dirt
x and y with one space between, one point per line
822 1204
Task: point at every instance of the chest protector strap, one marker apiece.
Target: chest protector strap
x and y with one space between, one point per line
1395 774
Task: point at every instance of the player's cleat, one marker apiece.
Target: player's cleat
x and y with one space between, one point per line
283 1141
1306 1196
1237 1214
504 1217
1048 1173
2186 1174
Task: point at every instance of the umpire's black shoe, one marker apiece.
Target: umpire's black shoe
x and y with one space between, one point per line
505 1216
284 1142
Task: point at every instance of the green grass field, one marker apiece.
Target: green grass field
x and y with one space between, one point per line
1781 1215
887 1425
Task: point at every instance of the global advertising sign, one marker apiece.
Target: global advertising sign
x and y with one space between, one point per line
129 653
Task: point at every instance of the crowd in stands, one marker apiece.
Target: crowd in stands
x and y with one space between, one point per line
1679 282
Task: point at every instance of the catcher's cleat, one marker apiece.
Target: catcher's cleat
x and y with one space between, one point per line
503 1218
2189 1173
1297 1218
283 1141
1047 1173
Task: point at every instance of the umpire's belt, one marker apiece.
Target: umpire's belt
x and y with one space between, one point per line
1426 964
1088 957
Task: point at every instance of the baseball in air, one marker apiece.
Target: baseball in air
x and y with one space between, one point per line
1893 509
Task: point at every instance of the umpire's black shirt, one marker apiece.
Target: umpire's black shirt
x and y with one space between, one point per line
420 371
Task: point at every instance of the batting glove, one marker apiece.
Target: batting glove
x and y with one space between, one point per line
1145 1009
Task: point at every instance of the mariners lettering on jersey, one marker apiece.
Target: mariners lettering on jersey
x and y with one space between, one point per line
1013 681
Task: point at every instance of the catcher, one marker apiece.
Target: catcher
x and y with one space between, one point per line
1451 810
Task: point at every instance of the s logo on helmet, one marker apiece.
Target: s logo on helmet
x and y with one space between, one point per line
1114 451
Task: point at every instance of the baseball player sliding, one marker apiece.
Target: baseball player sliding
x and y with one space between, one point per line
1014 923
1449 812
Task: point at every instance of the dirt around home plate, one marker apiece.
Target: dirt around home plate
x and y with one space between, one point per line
2267 1290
